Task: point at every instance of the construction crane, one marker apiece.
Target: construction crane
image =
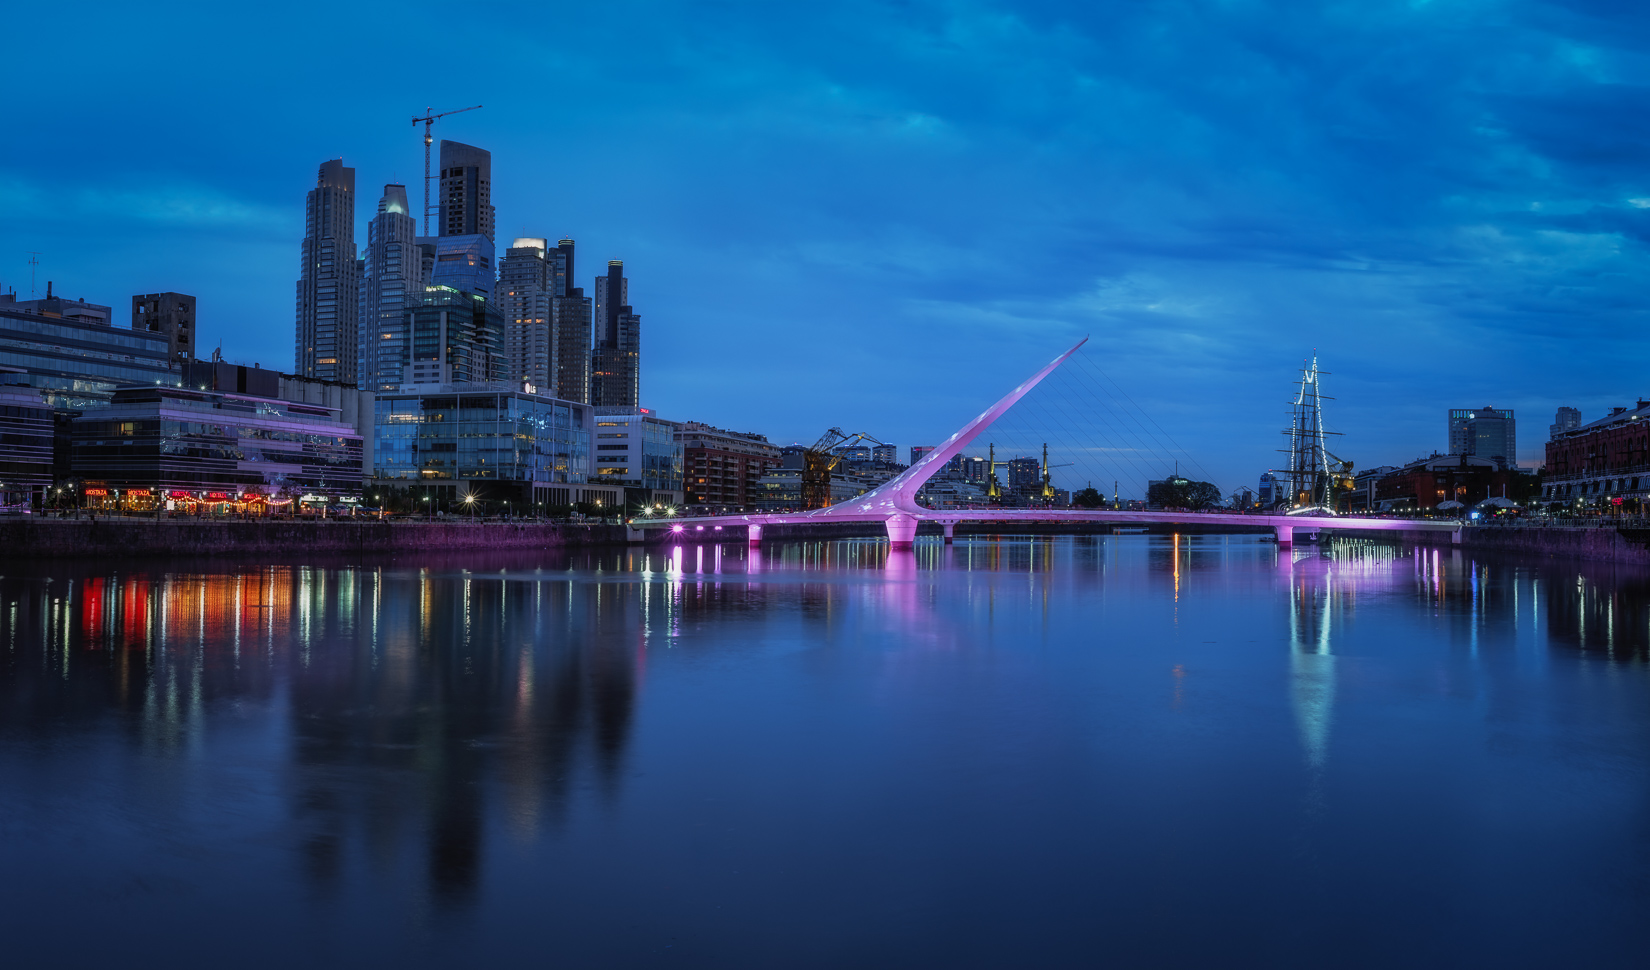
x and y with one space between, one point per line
429 119
819 460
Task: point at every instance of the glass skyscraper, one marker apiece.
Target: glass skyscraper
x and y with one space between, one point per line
391 278
327 343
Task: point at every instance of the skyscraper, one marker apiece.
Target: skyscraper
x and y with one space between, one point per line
572 315
1567 419
1484 432
615 379
524 296
455 338
466 190
328 300
391 279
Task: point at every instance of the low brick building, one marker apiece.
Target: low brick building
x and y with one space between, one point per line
1467 479
721 469
1604 460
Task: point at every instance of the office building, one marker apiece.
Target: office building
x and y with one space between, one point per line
77 361
392 276
1601 461
636 450
572 315
1485 432
58 308
918 451
1025 475
172 314
463 263
561 267
466 190
454 337
885 454
722 470
1269 493
328 341
492 441
1567 419
524 295
154 445
615 371
27 430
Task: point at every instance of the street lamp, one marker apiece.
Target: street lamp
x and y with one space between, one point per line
470 502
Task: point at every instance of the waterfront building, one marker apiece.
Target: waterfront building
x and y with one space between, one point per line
1362 497
1485 432
492 441
917 451
637 450
59 308
1567 419
172 314
952 494
1468 479
77 361
466 190
1602 461
328 341
780 490
27 432
722 470
615 368
525 290
572 315
455 337
391 278
152 445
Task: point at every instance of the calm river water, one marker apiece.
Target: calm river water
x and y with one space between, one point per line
1119 751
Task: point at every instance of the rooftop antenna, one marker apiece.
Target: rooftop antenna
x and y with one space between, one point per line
429 119
34 260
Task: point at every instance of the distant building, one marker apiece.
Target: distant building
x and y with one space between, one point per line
59 308
1567 419
77 362
1601 460
490 441
636 450
454 338
392 277
722 470
1362 497
1485 432
1268 494
464 263
885 454
615 369
1468 479
27 431
917 451
154 445
525 291
572 315
466 190
328 299
172 314
952 494
1025 475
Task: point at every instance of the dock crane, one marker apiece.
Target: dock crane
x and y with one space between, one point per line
428 120
817 462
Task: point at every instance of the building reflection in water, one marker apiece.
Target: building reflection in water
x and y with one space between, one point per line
410 695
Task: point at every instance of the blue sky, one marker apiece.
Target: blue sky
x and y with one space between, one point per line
883 215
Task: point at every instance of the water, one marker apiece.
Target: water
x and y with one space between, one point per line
1130 751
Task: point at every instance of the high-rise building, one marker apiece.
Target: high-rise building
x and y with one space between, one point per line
524 297
172 314
572 316
1484 432
1025 475
561 267
456 338
391 279
328 299
466 190
885 454
464 263
615 369
1567 419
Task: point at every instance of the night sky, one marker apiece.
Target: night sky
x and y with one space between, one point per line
884 215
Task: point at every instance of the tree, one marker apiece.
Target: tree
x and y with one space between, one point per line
1181 493
1088 498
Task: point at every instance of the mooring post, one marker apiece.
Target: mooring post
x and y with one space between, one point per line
902 530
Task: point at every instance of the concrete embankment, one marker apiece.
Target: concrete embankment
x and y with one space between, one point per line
39 538
1602 544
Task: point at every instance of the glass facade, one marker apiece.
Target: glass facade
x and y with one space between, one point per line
456 338
478 434
637 450
79 365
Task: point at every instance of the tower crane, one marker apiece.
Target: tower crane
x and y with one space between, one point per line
429 119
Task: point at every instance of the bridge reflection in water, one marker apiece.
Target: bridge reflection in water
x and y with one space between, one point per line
421 712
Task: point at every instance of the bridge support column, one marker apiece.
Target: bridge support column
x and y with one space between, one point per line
1286 535
753 535
950 532
1455 537
902 531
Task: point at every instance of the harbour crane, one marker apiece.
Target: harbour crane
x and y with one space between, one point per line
817 462
429 119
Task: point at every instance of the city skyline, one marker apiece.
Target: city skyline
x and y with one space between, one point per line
1212 247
